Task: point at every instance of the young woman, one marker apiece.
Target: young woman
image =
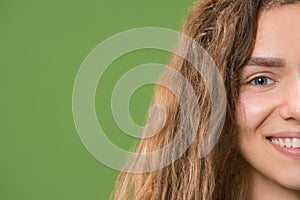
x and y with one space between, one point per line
256 46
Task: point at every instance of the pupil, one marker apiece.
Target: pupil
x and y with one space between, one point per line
261 81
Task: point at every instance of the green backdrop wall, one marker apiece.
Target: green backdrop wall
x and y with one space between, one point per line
42 44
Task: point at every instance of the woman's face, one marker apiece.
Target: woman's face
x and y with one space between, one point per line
268 110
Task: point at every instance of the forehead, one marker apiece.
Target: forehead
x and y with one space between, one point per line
278 33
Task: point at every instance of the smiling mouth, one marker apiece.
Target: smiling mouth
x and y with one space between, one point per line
285 142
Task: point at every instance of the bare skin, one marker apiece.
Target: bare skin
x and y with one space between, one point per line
269 105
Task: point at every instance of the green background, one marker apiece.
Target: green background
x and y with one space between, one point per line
42 45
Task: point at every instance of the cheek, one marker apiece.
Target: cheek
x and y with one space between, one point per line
252 110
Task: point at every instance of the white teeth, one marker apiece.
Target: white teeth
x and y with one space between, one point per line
296 142
273 140
281 142
287 142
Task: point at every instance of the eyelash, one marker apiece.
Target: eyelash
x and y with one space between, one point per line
267 79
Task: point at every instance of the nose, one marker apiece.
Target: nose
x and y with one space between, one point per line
290 109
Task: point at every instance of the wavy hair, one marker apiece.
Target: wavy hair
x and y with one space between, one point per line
226 29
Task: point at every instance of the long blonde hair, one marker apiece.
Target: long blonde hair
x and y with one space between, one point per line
226 29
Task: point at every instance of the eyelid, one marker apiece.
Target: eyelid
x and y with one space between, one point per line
252 70
252 76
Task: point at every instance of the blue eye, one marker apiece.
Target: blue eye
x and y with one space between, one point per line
261 81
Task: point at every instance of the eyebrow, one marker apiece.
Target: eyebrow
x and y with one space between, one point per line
266 62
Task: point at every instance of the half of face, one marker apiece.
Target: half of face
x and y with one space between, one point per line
268 109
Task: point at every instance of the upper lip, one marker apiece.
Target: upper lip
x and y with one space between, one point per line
287 134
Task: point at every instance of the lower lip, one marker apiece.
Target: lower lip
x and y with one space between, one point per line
292 152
